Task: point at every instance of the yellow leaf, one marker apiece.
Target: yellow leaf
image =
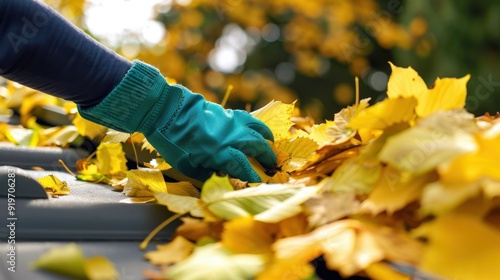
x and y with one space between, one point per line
183 188
298 150
354 175
383 271
66 260
180 204
348 246
100 268
405 82
456 193
195 229
341 132
394 191
144 182
111 158
319 132
213 261
447 94
477 164
328 207
287 270
88 128
59 136
385 113
172 252
435 140
53 185
268 203
276 115
244 235
460 247
115 137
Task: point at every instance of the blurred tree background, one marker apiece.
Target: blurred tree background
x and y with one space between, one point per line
305 50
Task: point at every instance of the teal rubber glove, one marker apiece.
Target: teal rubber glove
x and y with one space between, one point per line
193 135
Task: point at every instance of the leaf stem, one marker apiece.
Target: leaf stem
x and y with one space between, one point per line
135 151
155 231
226 95
66 167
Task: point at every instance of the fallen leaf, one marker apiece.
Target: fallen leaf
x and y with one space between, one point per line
244 235
385 113
144 182
100 268
460 247
268 203
53 185
111 159
213 261
328 207
171 253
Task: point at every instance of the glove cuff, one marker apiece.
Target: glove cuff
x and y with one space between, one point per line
129 102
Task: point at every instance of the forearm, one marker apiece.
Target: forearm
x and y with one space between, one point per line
42 50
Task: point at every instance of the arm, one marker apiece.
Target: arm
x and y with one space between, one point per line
42 50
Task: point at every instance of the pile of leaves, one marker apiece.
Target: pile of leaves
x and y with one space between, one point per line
406 186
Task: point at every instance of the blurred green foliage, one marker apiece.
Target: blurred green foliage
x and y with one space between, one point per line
461 37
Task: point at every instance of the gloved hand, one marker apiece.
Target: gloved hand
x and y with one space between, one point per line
193 135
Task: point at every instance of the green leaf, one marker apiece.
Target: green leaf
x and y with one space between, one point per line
268 203
213 261
67 260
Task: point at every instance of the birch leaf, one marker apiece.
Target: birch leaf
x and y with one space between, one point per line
405 82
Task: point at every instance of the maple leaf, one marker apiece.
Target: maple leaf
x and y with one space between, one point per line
172 252
53 185
276 115
213 261
70 261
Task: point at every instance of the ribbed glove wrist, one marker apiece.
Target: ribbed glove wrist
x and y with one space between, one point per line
125 108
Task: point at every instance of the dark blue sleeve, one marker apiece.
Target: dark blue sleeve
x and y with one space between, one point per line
42 50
